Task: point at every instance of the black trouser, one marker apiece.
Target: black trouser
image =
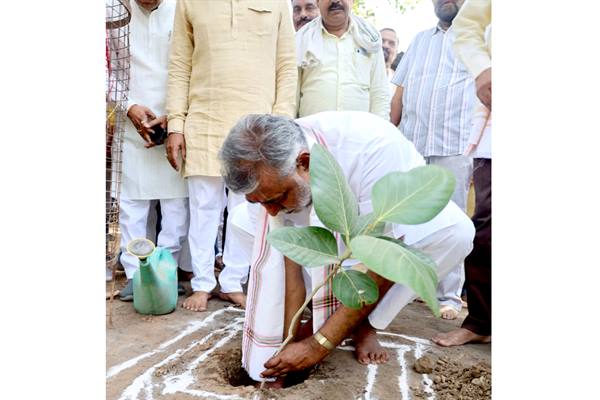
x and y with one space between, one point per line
478 265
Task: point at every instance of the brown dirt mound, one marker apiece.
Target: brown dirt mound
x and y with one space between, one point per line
454 381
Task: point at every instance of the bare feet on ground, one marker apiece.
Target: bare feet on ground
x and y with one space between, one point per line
368 350
448 312
238 298
459 337
197 301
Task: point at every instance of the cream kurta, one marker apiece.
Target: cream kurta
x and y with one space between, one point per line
228 59
146 173
347 79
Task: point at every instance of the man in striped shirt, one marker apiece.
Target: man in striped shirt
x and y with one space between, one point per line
433 104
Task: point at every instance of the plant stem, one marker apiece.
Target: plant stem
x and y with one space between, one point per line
298 314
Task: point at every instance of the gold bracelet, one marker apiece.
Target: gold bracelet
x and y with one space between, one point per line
323 341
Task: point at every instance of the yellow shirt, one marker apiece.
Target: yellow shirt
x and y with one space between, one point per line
347 79
227 59
473 45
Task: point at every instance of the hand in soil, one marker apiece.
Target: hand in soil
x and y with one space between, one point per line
197 301
459 337
238 298
367 347
296 356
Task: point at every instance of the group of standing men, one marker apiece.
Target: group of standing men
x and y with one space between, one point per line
198 67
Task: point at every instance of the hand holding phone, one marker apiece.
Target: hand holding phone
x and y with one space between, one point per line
160 134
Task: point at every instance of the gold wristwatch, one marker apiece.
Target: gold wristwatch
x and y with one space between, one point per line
323 341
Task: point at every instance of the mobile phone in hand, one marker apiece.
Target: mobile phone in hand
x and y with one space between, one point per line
159 136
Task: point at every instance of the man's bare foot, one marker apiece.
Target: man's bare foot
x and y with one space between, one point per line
448 312
238 298
368 350
197 301
459 337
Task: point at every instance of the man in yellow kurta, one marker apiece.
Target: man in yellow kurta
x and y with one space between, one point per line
228 59
340 62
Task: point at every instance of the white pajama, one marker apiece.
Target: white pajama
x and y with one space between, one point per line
236 258
447 247
207 202
450 287
133 221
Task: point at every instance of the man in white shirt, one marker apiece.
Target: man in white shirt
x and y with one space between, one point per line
146 174
340 63
267 158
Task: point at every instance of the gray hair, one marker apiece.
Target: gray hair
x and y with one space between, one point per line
259 140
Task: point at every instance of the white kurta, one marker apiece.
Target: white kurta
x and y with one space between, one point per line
146 173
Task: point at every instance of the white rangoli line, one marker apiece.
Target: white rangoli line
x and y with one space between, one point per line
389 345
371 374
403 378
144 381
181 382
191 328
204 393
427 382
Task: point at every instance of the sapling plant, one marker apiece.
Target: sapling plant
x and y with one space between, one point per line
412 197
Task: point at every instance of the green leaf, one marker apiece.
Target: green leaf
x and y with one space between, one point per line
309 246
362 225
333 200
412 197
418 253
354 289
399 264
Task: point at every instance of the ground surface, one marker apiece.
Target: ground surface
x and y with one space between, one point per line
188 355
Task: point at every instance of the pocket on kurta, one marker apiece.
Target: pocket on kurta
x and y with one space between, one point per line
362 65
261 20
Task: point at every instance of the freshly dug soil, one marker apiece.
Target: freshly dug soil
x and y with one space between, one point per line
453 381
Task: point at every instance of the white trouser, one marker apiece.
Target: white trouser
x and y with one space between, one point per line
133 221
450 288
241 229
185 260
236 258
207 202
447 247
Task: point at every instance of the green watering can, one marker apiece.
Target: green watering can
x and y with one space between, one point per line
155 281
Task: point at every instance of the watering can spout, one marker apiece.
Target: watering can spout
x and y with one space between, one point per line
146 272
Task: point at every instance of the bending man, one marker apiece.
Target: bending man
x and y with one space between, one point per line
268 158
